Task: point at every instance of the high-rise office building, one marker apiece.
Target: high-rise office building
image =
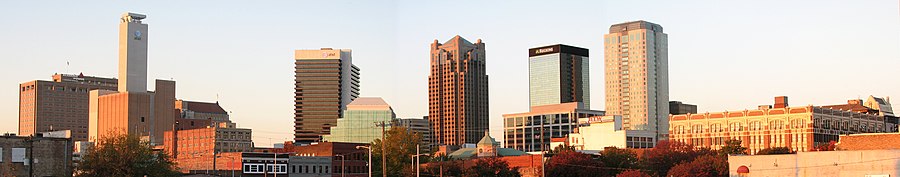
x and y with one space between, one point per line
132 109
61 104
637 79
458 92
357 124
325 82
558 74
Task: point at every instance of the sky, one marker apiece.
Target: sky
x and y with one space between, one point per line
723 55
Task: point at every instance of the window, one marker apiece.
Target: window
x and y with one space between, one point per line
142 119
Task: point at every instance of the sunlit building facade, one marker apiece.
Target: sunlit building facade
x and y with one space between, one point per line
558 74
358 123
800 128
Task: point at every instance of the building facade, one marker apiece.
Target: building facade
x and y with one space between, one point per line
532 131
558 74
868 163
599 132
798 128
352 159
61 104
307 166
458 92
677 107
358 122
325 82
194 148
637 79
51 156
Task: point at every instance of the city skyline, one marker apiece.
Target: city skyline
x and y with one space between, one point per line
704 68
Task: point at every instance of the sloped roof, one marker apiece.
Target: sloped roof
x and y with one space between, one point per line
487 140
368 103
204 107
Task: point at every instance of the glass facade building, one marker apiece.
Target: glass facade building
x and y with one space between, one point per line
358 122
558 74
531 130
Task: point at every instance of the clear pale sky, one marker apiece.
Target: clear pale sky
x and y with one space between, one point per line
730 55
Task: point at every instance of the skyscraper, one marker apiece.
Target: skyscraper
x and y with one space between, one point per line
325 82
458 92
637 77
558 74
132 109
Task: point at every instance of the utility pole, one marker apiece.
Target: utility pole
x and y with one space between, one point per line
543 170
370 157
383 159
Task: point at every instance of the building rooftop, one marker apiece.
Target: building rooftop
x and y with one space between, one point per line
640 24
204 107
368 103
869 141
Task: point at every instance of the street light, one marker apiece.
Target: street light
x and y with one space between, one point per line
370 158
342 164
416 161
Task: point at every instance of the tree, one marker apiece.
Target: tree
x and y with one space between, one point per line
447 168
775 150
667 154
491 166
573 164
127 156
400 145
617 160
632 173
703 166
561 148
733 147
830 146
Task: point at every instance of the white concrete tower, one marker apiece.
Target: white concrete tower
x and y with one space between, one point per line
132 53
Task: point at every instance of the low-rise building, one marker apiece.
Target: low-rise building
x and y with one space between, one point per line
194 110
194 148
531 131
800 128
487 147
51 156
346 157
600 132
309 166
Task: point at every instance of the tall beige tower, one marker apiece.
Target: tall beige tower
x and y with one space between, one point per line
637 76
132 53
132 109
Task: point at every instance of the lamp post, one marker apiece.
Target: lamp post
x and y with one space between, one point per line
370 157
342 164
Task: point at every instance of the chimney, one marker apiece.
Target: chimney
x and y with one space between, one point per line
781 102
855 101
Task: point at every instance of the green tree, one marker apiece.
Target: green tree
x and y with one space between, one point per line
491 167
126 156
400 145
618 160
733 147
562 147
775 150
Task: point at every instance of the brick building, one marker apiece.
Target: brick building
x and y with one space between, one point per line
354 160
195 147
51 156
